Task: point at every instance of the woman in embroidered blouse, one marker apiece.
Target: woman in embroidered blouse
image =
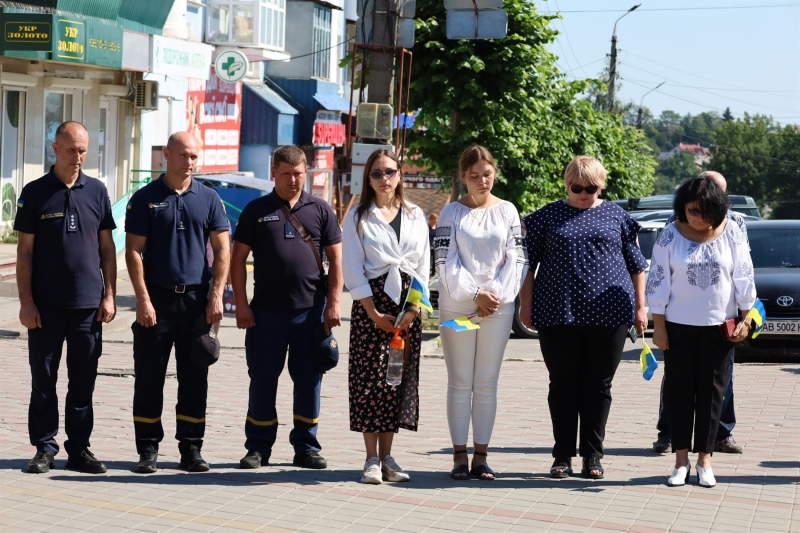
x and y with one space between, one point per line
588 290
385 245
700 275
481 263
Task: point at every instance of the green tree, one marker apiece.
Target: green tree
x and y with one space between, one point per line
727 116
509 96
672 171
742 152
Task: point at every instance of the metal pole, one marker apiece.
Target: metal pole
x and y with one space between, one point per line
641 112
612 70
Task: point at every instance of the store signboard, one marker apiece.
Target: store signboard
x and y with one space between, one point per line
26 32
213 116
104 44
70 40
186 59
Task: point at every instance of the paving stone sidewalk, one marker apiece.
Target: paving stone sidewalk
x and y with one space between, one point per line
757 491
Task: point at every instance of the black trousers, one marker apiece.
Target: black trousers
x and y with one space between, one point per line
696 372
175 317
582 361
83 333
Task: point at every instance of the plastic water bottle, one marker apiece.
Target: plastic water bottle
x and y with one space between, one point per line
397 353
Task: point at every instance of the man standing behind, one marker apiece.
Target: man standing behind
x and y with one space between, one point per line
289 303
66 274
725 441
168 224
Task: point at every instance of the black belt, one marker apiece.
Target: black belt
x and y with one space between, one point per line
180 289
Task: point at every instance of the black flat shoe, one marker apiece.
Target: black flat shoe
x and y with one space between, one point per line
592 463
41 463
561 468
482 470
85 462
460 472
193 461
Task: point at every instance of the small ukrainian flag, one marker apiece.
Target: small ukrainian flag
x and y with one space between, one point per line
462 323
416 296
759 316
648 362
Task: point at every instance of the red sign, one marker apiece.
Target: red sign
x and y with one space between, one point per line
329 133
213 116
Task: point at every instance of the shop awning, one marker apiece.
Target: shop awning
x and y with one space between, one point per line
272 98
333 102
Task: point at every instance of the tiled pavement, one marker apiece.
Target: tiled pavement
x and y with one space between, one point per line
757 491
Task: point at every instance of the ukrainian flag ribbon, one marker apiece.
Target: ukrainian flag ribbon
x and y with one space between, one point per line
759 316
462 323
417 295
648 362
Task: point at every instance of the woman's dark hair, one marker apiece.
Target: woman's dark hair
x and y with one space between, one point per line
368 193
711 200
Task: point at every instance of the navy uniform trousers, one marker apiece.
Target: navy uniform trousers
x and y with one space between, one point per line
83 333
176 314
265 347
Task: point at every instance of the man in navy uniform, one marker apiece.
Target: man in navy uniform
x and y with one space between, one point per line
66 275
167 225
290 301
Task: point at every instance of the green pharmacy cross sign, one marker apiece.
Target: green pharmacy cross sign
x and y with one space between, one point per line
231 66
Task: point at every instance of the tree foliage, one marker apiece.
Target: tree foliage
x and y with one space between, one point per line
509 96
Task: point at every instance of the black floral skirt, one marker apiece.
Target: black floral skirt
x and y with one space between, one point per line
375 406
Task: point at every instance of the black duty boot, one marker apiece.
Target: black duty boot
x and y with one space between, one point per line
86 462
193 461
41 463
253 460
147 462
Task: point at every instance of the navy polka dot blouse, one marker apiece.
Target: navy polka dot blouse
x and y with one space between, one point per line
586 258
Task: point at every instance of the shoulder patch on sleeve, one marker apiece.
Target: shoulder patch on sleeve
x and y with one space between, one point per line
20 203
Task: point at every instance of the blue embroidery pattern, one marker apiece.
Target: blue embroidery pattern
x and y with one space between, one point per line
665 238
704 268
747 269
654 280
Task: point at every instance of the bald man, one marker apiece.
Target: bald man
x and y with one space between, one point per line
66 275
168 224
725 441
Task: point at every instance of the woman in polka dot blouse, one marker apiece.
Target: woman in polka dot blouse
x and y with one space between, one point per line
588 290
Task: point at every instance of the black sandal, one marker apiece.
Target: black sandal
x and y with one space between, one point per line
460 472
561 468
482 470
592 463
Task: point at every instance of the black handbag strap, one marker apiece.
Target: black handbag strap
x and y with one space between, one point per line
303 234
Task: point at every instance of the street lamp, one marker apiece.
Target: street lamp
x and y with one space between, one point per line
639 116
613 65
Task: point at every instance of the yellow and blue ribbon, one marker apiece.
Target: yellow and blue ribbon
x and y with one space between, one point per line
648 362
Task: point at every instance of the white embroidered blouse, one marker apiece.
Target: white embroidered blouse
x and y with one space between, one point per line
700 283
479 249
375 250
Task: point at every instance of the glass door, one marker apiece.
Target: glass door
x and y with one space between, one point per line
107 146
13 105
58 108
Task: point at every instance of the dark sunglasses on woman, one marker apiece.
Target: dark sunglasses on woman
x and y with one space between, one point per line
577 189
378 175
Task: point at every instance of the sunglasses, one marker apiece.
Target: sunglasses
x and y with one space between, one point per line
694 212
577 189
378 175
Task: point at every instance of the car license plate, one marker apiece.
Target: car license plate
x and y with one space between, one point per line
781 327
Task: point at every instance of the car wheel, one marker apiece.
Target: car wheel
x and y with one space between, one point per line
519 328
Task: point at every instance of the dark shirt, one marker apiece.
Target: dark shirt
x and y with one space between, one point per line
586 258
395 224
66 249
285 272
177 227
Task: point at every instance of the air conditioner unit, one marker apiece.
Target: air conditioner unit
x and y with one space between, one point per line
146 96
374 121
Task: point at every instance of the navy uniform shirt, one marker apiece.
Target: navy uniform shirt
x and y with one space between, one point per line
66 248
177 227
285 272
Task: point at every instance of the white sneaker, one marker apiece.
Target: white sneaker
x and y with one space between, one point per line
705 477
679 476
392 471
372 472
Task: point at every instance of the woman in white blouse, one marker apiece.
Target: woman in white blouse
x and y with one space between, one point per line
481 264
385 245
700 276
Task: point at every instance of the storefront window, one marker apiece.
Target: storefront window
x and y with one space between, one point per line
13 104
246 23
57 109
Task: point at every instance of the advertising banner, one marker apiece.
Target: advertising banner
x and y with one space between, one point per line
213 116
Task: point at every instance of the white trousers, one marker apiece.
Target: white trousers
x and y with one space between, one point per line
473 361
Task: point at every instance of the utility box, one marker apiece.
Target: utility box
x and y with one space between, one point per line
374 121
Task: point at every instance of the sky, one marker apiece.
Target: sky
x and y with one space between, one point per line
745 58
